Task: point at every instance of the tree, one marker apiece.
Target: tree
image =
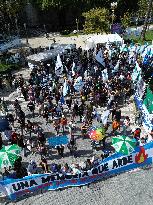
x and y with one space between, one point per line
148 12
126 20
96 20
11 7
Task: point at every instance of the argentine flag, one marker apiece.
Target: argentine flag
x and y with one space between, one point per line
73 72
78 85
58 66
105 75
117 66
65 88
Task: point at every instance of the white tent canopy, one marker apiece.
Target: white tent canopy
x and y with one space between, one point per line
50 54
92 41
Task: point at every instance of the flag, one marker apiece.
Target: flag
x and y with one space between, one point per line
58 66
104 117
100 58
78 85
117 66
73 72
105 75
65 88
62 100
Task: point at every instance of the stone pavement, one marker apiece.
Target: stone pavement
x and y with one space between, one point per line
126 189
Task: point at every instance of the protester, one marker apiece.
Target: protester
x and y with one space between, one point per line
46 97
32 167
72 146
44 165
63 123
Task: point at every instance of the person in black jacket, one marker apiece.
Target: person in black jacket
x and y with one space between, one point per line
31 107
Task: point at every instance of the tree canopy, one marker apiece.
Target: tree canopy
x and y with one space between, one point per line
96 21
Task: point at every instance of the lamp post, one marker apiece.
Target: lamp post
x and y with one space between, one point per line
16 25
77 24
136 21
25 27
113 7
8 30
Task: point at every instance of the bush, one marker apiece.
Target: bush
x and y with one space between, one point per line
4 68
65 32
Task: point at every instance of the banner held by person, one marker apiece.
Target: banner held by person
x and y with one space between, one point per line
115 164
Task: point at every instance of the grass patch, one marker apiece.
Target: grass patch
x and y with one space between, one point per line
137 39
4 68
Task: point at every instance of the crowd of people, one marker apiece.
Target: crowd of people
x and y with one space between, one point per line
43 93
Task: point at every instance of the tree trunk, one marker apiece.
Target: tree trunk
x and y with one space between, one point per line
146 20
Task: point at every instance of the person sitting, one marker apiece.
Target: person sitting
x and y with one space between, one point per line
32 168
88 165
105 154
54 168
75 169
44 165
66 169
142 141
6 173
19 169
136 133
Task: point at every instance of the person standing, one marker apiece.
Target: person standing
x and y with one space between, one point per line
72 146
31 107
63 123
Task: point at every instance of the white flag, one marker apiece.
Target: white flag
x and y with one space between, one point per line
65 88
105 75
58 66
117 66
73 72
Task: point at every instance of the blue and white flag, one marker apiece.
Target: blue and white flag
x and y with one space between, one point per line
65 88
105 75
117 66
58 66
78 85
73 72
100 58
62 100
